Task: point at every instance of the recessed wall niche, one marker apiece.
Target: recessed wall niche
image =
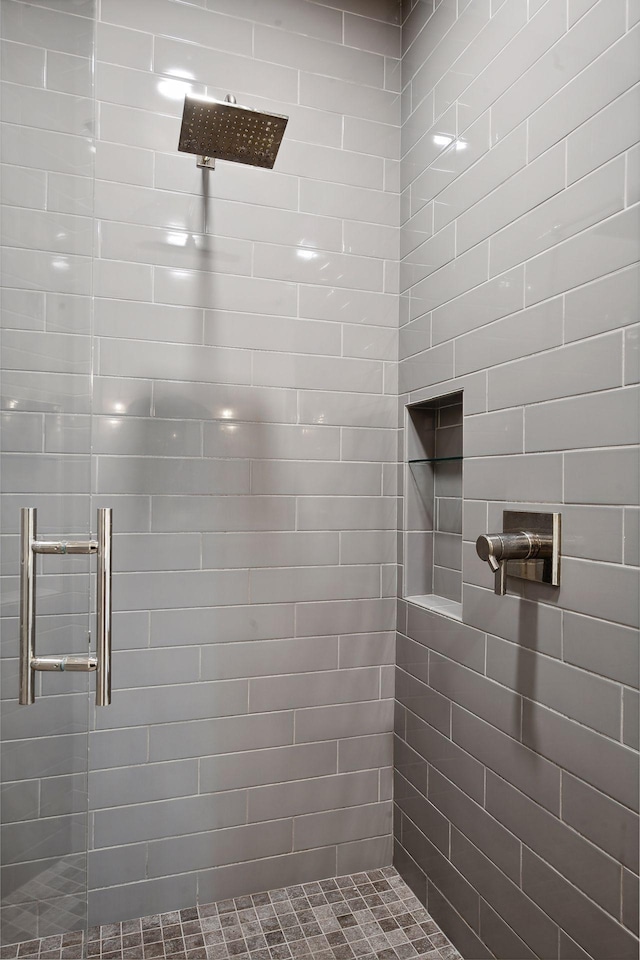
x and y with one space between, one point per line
433 504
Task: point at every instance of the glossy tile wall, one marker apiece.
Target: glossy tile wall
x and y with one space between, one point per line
517 730
244 432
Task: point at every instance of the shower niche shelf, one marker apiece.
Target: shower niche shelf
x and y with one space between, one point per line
433 505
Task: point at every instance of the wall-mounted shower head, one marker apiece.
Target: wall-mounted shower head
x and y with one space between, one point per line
216 129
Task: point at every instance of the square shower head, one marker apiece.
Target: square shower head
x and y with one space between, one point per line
227 131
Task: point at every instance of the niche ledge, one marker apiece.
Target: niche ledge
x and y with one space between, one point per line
440 605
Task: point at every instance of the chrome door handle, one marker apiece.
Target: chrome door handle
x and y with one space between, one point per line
29 661
103 604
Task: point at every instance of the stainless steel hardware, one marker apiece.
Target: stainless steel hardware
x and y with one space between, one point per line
29 661
528 548
103 604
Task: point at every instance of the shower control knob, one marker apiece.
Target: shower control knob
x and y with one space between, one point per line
497 548
489 549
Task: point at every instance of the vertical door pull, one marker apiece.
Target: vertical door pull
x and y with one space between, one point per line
29 661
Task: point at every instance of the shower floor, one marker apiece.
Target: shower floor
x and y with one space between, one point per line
360 917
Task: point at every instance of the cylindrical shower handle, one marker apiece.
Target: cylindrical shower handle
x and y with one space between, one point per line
30 663
497 548
103 643
28 518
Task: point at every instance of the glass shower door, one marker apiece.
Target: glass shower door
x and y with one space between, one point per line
46 355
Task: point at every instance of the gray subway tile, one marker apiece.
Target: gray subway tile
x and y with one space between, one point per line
448 918
421 812
631 718
143 705
454 640
42 838
315 478
589 201
422 700
474 822
590 926
132 900
167 818
143 551
216 513
499 937
476 693
363 753
601 820
575 693
358 855
310 796
145 591
608 418
221 735
508 900
313 689
597 251
240 658
601 590
605 648
599 83
632 355
344 616
533 476
343 720
489 434
441 873
259 875
540 33
287 584
218 847
114 748
272 765
342 826
595 873
601 476
122 786
601 305
21 800
106 868
527 768
569 949
446 756
60 796
630 901
574 369
607 133
527 332
603 763
490 301
367 650
204 625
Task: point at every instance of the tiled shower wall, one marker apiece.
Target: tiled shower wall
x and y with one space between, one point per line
244 432
517 729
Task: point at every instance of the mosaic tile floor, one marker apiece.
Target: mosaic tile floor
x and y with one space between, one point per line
360 917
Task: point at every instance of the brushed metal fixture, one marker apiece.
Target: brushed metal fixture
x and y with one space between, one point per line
223 130
29 661
527 548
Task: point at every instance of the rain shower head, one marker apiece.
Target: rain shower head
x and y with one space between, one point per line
222 130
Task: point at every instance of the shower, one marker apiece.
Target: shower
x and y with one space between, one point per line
223 130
